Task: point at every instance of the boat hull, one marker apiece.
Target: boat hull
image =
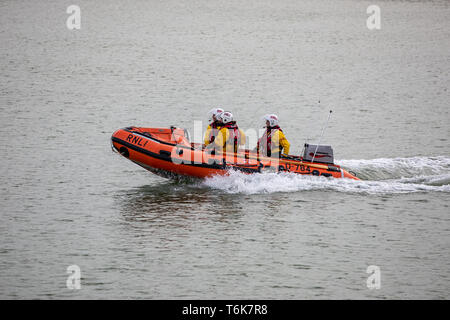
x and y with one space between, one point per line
167 152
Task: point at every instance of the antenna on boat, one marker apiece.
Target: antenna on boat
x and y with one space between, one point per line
307 139
323 130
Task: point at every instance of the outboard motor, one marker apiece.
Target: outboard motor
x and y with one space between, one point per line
324 154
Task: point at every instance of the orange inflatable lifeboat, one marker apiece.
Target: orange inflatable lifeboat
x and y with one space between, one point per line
169 153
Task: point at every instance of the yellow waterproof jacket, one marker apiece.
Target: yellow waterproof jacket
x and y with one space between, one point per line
277 140
210 131
225 139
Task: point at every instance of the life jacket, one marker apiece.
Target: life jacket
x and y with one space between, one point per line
267 137
234 135
215 127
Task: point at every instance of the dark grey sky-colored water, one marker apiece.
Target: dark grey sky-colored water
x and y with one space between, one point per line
66 199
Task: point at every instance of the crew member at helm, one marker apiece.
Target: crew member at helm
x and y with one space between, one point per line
230 137
273 142
214 125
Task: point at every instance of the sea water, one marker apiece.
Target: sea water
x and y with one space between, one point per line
80 222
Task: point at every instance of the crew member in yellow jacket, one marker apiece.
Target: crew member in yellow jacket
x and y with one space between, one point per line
273 142
215 124
230 137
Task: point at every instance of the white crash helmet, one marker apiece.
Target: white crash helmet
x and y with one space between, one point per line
226 117
272 118
213 114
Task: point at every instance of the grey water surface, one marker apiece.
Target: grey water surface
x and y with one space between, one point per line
67 199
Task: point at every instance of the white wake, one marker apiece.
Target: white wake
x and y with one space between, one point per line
379 176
